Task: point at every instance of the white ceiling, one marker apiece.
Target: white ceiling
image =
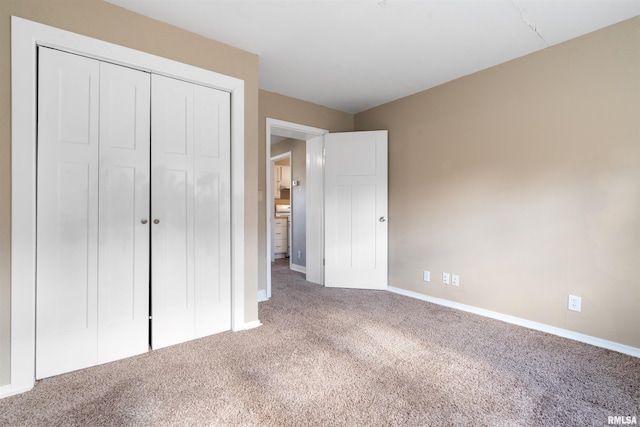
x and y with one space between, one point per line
355 55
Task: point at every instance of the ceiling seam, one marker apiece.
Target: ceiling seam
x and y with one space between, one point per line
527 20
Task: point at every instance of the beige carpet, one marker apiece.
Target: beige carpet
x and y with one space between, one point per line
347 357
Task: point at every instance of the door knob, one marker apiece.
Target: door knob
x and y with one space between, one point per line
144 221
156 221
382 219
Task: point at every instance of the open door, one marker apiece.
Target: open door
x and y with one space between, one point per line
356 206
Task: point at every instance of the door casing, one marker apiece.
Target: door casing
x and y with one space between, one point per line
26 36
315 249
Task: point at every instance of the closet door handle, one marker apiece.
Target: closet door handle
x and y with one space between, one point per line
144 221
156 221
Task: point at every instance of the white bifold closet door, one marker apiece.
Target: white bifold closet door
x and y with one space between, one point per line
191 241
93 195
105 223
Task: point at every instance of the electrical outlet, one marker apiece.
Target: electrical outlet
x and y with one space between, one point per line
426 276
575 303
455 280
446 278
299 254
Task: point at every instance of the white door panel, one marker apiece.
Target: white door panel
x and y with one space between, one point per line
212 193
93 192
95 224
123 285
172 207
356 210
191 294
67 217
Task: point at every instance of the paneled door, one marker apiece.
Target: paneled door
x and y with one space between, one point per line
356 210
92 244
123 221
98 240
191 295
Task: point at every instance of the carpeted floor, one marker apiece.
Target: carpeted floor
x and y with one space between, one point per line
347 357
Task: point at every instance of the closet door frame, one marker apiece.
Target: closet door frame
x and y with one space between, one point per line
26 36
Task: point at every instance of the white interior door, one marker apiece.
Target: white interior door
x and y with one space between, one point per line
67 217
123 262
191 211
94 218
356 210
172 295
93 192
212 204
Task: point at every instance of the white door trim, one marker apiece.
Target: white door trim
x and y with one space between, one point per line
290 130
25 37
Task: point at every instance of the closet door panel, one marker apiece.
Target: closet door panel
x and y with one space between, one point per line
123 284
67 239
173 209
191 293
212 211
122 223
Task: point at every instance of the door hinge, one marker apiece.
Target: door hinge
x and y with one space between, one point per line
323 261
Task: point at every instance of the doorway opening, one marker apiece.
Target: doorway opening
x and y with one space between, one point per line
311 233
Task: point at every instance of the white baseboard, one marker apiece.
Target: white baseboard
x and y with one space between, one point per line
298 268
8 390
587 339
252 325
262 295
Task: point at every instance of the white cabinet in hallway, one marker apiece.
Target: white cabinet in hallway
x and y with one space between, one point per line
280 238
281 179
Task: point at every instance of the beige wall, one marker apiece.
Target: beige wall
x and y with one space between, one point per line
525 180
107 22
275 106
